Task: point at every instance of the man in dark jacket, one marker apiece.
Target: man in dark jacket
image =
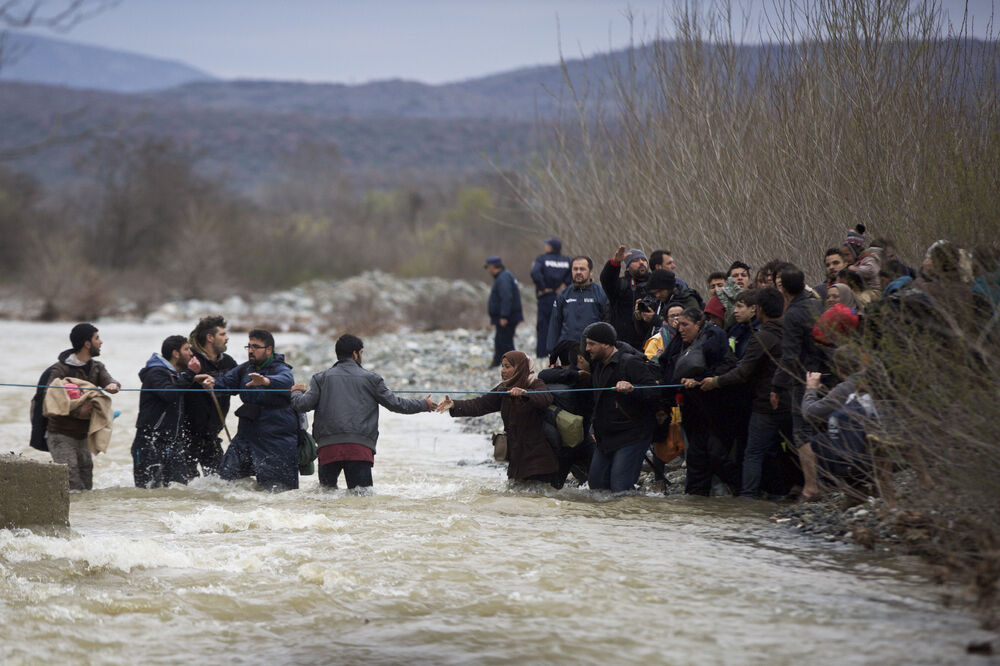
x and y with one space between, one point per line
625 292
266 441
799 354
624 418
667 292
768 425
346 398
65 437
578 307
208 342
551 275
162 434
504 308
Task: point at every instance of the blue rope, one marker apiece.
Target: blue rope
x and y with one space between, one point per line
422 391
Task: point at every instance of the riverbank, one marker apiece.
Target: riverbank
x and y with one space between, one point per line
371 302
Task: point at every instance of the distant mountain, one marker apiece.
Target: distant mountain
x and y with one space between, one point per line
35 59
245 146
521 94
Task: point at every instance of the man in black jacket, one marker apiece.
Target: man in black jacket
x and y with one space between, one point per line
160 447
624 418
799 354
768 425
625 292
208 341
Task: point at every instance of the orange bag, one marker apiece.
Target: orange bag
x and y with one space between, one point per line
673 445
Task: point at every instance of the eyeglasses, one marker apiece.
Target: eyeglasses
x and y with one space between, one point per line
255 347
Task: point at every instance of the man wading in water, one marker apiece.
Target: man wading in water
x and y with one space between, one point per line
266 442
346 399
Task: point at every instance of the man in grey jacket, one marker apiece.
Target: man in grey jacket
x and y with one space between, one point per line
346 399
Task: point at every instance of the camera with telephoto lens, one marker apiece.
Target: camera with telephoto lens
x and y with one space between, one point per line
649 304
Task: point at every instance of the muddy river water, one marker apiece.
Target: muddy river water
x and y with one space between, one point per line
442 564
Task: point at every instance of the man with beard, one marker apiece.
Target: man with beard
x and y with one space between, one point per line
624 418
577 307
834 263
266 442
65 437
666 293
208 342
625 292
162 435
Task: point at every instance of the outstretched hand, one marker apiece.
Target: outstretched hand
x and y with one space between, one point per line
431 405
619 255
301 388
445 405
690 383
257 379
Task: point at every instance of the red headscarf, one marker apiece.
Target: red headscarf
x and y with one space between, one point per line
835 324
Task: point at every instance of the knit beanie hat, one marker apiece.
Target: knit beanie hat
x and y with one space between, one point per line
80 334
601 331
661 278
856 239
634 255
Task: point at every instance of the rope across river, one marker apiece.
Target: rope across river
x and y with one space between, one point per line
421 391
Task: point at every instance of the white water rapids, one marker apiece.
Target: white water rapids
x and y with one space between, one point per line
443 564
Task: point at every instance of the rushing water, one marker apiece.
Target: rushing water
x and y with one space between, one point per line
443 564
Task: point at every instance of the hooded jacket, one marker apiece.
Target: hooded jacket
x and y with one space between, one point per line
573 310
268 431
161 409
346 398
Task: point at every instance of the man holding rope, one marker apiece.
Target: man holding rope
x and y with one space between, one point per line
207 412
346 398
66 436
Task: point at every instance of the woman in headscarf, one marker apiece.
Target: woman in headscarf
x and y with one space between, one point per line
522 409
841 293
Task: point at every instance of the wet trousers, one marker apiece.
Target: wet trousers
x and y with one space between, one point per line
74 453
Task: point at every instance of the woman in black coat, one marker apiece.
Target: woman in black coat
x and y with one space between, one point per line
707 424
532 458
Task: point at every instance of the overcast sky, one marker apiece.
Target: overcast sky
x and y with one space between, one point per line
352 41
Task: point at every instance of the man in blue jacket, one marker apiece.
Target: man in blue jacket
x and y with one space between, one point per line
551 275
577 307
266 441
504 308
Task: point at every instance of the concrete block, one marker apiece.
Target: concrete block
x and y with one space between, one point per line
32 493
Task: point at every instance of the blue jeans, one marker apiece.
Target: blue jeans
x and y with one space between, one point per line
763 437
617 471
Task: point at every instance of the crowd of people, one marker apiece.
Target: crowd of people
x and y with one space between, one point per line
767 376
762 387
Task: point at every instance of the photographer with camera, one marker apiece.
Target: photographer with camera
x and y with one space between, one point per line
664 293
